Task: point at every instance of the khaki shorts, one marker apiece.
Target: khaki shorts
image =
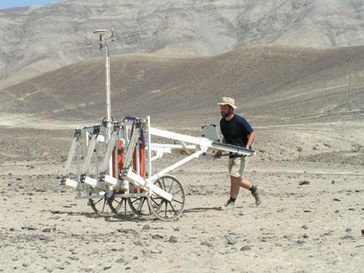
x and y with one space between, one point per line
237 166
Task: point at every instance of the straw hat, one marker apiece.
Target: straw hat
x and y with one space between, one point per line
228 101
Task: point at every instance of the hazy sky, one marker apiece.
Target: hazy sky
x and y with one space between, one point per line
5 4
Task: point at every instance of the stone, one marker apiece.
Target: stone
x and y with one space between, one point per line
138 243
157 236
230 240
206 243
173 239
304 182
28 228
349 237
146 227
245 248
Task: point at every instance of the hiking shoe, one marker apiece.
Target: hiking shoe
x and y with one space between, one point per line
228 205
256 195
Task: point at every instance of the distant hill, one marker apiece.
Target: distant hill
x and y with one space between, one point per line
40 39
272 85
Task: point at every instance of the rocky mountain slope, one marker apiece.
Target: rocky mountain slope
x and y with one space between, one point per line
40 39
274 84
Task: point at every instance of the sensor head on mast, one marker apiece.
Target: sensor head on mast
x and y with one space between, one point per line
101 33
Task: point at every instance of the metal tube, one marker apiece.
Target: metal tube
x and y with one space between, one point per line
78 158
108 152
109 126
108 103
107 83
71 155
90 152
137 158
179 137
149 141
130 150
116 162
174 166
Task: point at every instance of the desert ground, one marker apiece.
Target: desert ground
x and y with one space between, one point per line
305 103
311 219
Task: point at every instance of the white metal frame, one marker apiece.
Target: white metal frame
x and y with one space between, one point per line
102 180
192 147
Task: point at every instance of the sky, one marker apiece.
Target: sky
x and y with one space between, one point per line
5 4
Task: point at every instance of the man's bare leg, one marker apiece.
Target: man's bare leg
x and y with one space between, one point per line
246 184
235 186
237 182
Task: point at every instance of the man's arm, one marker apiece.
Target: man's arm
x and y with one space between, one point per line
247 129
251 139
218 154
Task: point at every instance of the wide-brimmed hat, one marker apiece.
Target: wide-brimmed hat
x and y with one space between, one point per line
228 101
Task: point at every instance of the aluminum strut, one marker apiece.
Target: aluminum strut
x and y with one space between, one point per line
91 150
132 143
232 148
72 151
108 152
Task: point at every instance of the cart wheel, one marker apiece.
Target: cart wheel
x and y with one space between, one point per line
164 209
117 205
99 205
139 205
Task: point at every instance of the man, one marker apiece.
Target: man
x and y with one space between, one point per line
236 131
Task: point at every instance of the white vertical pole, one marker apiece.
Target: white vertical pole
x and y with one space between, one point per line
108 103
107 83
137 158
149 149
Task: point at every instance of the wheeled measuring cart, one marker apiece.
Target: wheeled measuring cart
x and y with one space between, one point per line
112 166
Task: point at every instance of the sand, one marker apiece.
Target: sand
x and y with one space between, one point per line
311 218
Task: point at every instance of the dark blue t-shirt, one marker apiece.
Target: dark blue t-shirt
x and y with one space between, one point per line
236 131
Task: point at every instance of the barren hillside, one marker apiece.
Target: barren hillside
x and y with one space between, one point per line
41 39
272 84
